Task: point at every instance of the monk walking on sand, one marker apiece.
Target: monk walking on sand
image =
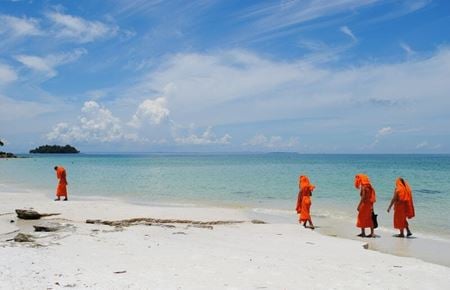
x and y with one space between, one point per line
304 201
365 206
61 189
403 207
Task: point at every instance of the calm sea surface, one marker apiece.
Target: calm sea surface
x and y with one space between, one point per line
264 182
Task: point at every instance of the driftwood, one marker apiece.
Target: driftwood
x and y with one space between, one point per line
28 214
47 227
23 238
259 222
153 221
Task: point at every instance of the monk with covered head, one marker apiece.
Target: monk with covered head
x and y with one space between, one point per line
61 189
365 206
304 201
402 201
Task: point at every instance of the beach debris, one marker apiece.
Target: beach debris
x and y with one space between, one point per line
396 266
166 226
23 238
154 221
366 246
47 227
28 214
258 222
178 233
120 272
209 227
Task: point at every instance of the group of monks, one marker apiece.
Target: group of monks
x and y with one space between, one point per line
402 201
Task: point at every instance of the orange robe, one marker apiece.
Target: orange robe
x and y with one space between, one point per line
304 198
403 206
364 219
61 189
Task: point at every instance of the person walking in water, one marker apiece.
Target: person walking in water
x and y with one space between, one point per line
365 206
304 201
402 201
61 189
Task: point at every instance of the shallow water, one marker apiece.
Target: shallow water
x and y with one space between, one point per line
264 182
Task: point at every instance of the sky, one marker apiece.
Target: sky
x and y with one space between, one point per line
307 76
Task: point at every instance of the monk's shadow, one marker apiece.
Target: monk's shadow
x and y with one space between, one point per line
399 237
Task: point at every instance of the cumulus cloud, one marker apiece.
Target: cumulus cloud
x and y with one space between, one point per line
7 74
207 137
151 111
346 30
78 29
96 124
48 63
19 26
260 140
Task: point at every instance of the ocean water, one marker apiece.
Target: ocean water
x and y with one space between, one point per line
264 183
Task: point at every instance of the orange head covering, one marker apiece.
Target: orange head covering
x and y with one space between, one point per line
403 189
304 183
361 179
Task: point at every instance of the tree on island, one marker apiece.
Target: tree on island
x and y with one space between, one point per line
55 149
6 154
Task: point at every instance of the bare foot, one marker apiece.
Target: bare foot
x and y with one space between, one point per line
362 235
56 199
409 234
399 236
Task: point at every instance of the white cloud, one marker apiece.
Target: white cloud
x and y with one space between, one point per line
427 146
19 27
408 50
384 132
152 111
11 109
346 30
96 124
260 140
207 137
268 19
48 63
7 74
209 88
79 29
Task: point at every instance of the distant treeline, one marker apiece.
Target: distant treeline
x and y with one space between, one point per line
55 149
7 155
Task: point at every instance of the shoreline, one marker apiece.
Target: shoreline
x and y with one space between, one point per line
234 256
423 246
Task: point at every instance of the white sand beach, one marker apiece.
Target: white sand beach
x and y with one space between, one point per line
185 256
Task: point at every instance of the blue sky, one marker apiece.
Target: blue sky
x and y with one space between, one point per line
310 76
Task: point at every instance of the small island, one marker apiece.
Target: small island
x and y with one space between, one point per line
55 149
6 154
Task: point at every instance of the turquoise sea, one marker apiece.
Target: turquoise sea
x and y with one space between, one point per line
261 182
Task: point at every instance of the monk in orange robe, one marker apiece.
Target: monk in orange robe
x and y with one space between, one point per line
61 189
304 201
402 201
365 206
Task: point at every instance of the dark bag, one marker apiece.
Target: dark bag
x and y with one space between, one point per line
374 220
